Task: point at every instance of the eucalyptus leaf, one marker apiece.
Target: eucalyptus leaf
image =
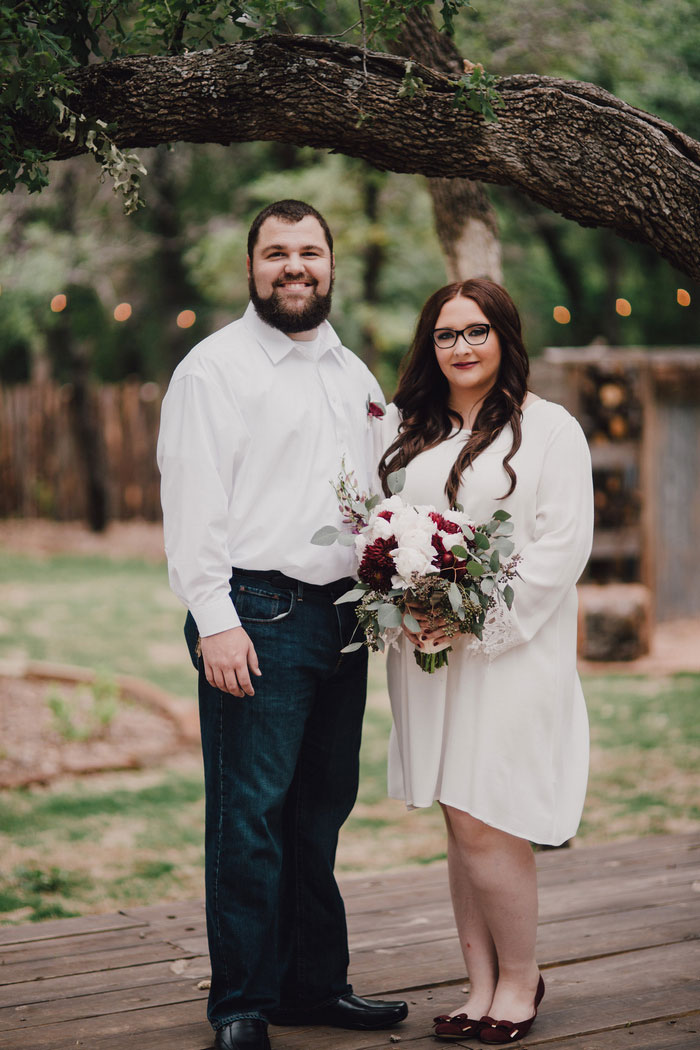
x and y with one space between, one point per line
455 596
495 561
352 648
501 515
389 615
482 542
372 502
346 539
396 480
459 551
506 528
349 596
475 568
411 623
508 595
503 545
325 536
487 585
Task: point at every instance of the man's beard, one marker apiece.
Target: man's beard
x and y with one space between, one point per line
273 311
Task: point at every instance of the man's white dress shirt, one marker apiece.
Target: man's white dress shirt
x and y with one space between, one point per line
254 428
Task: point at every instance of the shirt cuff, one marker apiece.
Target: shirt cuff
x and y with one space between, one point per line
215 617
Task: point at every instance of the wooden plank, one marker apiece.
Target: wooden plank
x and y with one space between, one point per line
677 1034
59 966
108 942
43 931
126 977
651 853
87 1032
99 1004
393 967
606 892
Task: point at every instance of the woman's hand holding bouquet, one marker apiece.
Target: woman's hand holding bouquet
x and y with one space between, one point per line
432 574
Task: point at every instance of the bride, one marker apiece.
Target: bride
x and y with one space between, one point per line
500 736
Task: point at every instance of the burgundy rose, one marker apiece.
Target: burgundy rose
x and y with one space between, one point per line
442 557
386 514
443 524
375 410
377 566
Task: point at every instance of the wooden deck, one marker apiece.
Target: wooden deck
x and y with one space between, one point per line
619 944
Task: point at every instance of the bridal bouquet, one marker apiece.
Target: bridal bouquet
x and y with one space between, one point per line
414 558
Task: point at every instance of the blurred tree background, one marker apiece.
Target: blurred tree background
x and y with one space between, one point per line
88 291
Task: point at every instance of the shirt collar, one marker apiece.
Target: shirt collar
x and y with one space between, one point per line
277 345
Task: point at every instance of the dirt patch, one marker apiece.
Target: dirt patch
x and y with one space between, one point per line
52 728
121 539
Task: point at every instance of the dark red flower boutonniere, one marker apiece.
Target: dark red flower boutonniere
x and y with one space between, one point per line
375 410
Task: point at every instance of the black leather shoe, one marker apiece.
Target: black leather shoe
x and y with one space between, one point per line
350 1011
247 1034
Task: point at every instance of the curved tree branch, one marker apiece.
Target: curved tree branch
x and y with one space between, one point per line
569 145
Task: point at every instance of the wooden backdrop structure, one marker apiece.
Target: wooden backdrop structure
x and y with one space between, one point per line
640 409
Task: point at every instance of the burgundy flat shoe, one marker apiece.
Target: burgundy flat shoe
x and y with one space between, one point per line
458 1027
506 1031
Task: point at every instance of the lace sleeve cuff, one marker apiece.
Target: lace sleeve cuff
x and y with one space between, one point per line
500 634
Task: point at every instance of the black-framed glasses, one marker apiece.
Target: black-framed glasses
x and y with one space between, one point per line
474 334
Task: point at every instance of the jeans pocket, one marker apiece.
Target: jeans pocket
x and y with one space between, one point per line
262 603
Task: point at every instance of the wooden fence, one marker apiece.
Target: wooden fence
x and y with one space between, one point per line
43 471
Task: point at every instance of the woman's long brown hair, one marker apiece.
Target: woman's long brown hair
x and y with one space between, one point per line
423 393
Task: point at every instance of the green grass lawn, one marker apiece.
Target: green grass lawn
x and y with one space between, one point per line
110 840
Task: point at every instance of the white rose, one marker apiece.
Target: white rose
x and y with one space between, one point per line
410 561
381 529
418 540
392 503
409 520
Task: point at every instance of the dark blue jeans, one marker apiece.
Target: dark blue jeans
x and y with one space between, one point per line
281 773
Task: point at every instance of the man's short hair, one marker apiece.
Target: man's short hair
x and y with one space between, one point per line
289 211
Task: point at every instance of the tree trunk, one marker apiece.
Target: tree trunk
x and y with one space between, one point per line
374 257
66 345
465 221
569 145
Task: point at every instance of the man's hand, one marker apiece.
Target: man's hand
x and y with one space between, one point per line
229 658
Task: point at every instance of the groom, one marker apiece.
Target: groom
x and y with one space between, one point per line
257 421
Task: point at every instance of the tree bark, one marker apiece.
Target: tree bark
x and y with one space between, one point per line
465 221
569 145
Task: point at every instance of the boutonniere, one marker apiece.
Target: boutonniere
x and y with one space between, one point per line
375 410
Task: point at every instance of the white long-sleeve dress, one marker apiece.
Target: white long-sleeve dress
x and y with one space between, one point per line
502 731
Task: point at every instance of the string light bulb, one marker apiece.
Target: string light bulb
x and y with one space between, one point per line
186 318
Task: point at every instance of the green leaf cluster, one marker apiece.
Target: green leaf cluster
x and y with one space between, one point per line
476 91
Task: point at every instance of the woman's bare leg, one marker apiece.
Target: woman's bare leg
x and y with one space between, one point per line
475 939
499 871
